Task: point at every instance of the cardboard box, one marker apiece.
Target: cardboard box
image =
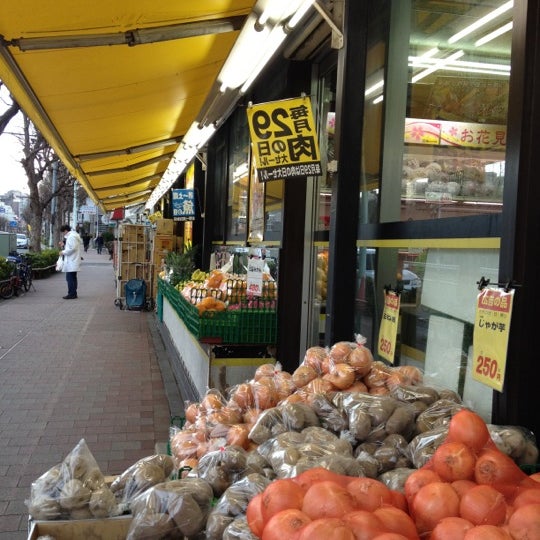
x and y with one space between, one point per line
164 242
81 529
164 226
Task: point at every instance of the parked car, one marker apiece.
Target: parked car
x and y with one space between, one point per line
22 241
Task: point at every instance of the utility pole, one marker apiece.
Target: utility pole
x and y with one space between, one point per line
74 216
53 202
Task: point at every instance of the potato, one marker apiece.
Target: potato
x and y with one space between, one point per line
359 424
186 514
401 421
387 457
74 495
381 409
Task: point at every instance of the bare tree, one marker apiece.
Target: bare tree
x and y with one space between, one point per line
37 162
6 116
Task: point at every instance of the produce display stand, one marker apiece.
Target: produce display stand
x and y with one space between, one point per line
114 528
133 259
218 349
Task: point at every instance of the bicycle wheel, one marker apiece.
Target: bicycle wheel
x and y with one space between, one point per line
27 280
6 289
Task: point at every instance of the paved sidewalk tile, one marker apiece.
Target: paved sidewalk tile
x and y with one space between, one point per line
72 370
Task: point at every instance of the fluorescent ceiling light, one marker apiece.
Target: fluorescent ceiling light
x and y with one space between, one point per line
414 61
195 138
378 99
439 64
259 39
481 22
372 89
495 34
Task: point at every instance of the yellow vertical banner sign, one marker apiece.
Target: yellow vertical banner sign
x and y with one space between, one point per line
389 326
284 139
490 337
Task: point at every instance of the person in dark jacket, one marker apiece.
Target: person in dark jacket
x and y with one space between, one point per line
99 243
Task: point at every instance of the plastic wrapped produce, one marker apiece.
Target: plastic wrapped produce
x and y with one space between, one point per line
73 489
232 505
223 467
143 474
177 508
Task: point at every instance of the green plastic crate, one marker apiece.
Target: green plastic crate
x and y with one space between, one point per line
241 326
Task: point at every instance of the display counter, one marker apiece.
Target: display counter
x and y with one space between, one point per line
208 355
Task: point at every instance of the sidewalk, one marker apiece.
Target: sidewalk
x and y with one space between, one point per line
72 369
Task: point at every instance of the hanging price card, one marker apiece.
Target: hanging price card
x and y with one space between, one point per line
255 271
389 326
490 338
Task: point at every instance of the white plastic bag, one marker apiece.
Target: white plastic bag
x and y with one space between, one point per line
59 264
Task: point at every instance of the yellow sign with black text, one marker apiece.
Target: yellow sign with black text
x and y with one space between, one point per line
389 326
490 337
284 139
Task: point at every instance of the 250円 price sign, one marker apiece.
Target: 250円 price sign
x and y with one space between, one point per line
490 337
284 139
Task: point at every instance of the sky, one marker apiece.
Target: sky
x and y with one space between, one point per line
11 172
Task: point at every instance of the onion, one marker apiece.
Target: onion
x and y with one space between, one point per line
264 370
314 357
361 360
243 396
339 352
341 376
302 375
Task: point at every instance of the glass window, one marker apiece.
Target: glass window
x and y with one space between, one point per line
237 201
437 95
438 301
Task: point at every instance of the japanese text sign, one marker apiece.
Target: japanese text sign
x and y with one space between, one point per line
389 326
284 139
490 338
255 276
183 204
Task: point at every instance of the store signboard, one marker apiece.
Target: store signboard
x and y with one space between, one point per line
490 337
183 204
284 139
389 326
458 134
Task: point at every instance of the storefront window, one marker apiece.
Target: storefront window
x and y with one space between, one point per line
237 202
445 96
438 300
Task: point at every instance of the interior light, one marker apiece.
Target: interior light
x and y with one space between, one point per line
462 65
438 65
378 99
495 34
372 89
481 22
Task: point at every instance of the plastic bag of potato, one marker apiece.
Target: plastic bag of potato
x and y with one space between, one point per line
73 489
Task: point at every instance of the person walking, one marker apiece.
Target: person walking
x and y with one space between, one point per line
86 241
99 243
72 259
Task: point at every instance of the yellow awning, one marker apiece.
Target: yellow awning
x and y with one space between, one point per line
114 85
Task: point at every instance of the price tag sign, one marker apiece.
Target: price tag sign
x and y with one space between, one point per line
255 277
490 338
389 326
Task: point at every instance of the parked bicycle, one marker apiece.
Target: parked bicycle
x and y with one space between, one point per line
21 276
